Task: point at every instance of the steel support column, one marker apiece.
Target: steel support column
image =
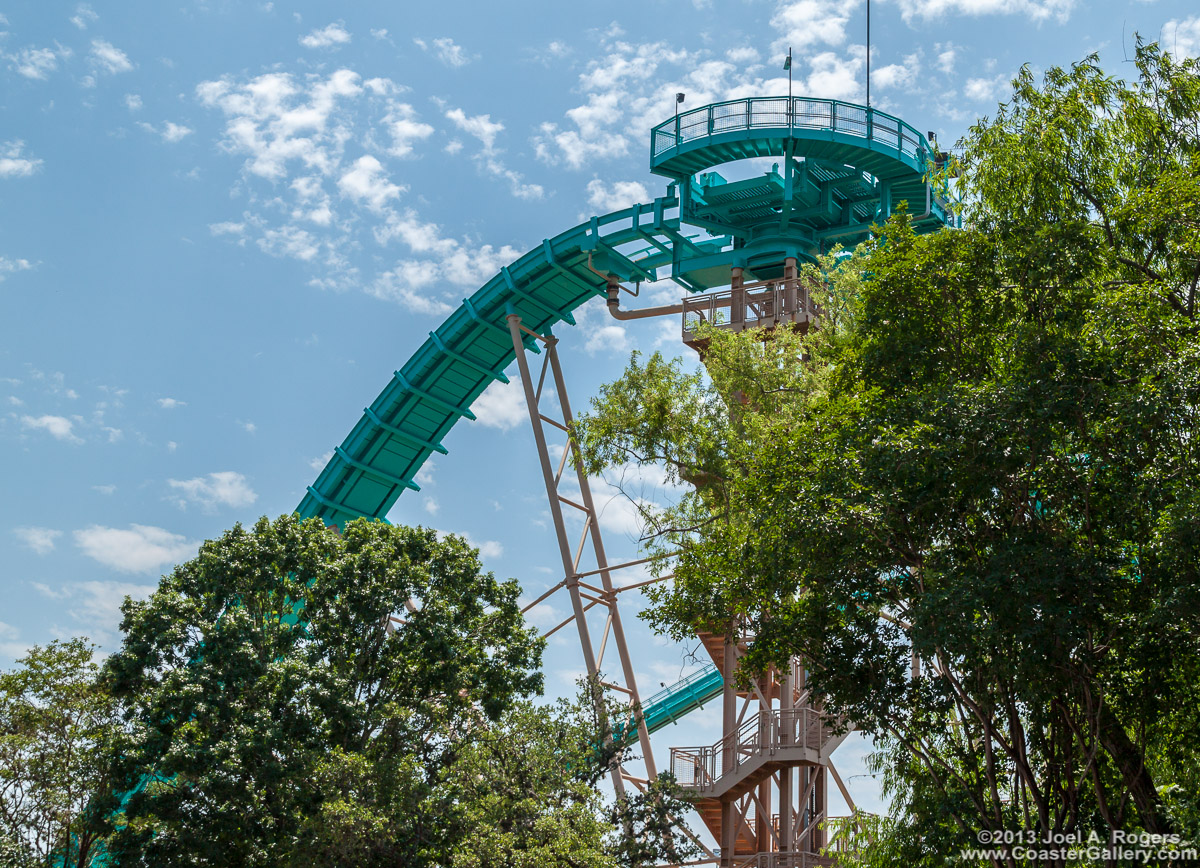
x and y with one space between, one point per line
570 557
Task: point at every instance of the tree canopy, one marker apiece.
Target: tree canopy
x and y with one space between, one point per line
266 682
299 696
985 456
55 727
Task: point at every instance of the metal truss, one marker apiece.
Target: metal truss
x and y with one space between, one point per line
588 589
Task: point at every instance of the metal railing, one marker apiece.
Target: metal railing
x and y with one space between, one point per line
800 113
701 768
787 859
759 307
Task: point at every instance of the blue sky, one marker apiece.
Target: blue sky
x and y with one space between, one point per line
223 224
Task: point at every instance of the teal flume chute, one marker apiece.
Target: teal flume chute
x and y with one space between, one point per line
844 168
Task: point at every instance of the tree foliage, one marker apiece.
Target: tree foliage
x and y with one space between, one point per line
296 696
986 456
55 724
246 719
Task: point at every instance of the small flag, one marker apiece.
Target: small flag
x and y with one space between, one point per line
679 97
787 62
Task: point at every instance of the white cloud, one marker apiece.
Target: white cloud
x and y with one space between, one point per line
224 488
424 477
97 605
40 539
986 89
104 489
481 127
171 403
947 54
405 129
12 266
35 63
140 549
106 57
1036 11
452 261
1182 38
488 549
133 102
897 74
431 505
410 285
624 97
173 132
13 164
327 37
367 182
276 120
445 50
421 237
227 228
744 55
570 147
501 406
604 198
248 427
516 181
836 76
84 15
318 463
609 338
170 132
290 241
58 427
803 24
10 644
296 130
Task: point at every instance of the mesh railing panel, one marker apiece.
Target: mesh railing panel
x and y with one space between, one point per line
730 116
886 130
813 114
850 119
768 113
772 113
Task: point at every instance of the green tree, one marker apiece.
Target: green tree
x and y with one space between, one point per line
516 792
296 696
246 720
55 722
986 457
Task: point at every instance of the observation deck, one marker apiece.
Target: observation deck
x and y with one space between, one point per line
842 168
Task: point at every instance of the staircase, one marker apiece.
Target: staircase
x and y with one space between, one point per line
763 744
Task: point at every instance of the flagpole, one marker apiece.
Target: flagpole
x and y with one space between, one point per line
868 53
787 64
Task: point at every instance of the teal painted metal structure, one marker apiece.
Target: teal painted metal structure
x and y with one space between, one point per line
844 166
672 703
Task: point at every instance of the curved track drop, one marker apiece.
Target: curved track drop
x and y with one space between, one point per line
844 168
